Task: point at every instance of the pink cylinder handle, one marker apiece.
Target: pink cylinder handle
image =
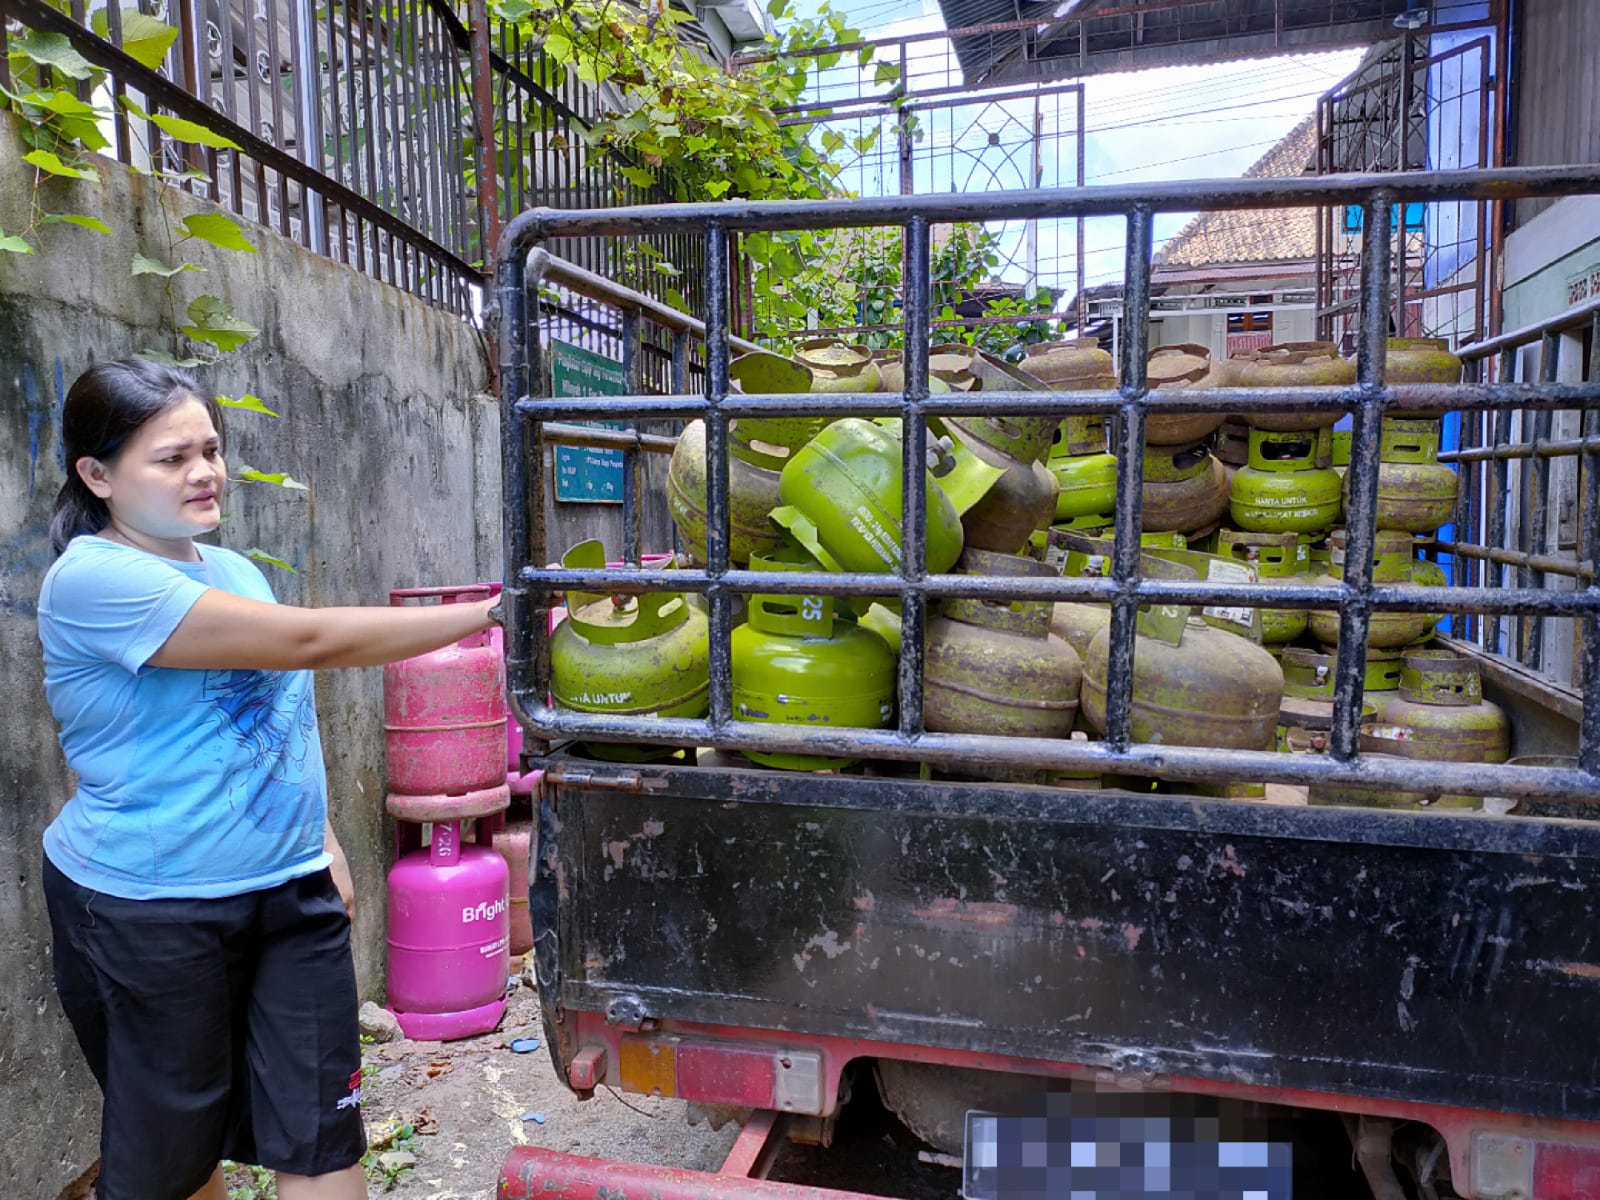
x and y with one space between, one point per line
444 848
454 594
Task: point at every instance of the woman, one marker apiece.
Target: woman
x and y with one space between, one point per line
202 953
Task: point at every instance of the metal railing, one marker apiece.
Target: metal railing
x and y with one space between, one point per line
528 411
1509 533
348 123
356 124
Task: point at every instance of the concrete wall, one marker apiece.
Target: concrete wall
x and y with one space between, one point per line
384 417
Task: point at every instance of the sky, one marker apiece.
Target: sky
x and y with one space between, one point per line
1164 124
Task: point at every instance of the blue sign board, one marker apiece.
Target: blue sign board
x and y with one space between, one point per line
585 475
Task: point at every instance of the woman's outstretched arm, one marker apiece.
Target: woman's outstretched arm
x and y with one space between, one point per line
228 632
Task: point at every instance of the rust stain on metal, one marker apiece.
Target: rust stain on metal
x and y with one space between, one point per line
866 902
1132 934
615 851
1580 970
976 912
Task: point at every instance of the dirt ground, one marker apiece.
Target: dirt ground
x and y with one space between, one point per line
471 1101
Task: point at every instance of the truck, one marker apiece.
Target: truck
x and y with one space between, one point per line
1424 982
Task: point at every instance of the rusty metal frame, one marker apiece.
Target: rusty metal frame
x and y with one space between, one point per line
527 407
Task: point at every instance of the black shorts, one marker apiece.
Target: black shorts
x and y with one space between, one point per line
221 1028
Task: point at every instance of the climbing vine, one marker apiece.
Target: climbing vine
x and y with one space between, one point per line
847 278
63 132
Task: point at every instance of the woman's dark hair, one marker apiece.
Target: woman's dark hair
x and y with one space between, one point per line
106 406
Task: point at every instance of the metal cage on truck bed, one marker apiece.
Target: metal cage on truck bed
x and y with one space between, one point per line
1436 966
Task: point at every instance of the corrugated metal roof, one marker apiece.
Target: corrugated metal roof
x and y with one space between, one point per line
1255 235
1143 33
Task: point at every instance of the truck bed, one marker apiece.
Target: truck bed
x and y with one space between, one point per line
1434 958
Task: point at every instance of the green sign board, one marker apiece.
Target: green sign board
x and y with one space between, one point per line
585 475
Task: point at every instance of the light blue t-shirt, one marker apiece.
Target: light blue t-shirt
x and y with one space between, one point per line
190 783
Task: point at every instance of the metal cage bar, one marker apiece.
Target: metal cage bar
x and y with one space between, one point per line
531 417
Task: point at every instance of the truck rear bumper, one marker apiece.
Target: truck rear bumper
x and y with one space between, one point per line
533 1173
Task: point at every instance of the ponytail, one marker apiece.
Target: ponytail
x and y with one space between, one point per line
77 511
106 406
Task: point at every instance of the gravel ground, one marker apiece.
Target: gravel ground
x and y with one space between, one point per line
467 1101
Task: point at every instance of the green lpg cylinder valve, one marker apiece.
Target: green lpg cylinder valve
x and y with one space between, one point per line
638 656
796 661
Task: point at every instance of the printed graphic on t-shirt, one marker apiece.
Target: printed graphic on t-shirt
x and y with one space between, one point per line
272 738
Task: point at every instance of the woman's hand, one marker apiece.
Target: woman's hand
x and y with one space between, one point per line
340 870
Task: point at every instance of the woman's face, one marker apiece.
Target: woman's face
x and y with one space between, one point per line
166 485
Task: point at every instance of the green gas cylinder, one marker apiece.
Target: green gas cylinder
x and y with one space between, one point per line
1205 687
1176 368
1282 489
796 661
1309 674
1277 559
1289 365
1073 621
758 447
1185 489
1022 499
1420 360
993 666
644 655
837 367
1391 565
1077 364
841 493
1085 474
1438 715
1416 492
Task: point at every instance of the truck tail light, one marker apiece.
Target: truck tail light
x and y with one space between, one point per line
722 1073
1508 1167
1566 1172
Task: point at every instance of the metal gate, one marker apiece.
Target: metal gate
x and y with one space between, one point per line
1410 109
532 420
901 117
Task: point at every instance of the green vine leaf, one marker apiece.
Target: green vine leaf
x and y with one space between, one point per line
12 244
637 176
72 118
52 164
220 230
276 478
154 266
717 188
144 39
180 130
247 402
52 50
558 46
214 322
77 219
262 556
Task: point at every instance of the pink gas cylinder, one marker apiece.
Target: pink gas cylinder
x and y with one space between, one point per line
449 938
444 714
513 839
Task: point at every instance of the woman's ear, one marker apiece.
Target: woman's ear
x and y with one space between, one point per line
93 473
